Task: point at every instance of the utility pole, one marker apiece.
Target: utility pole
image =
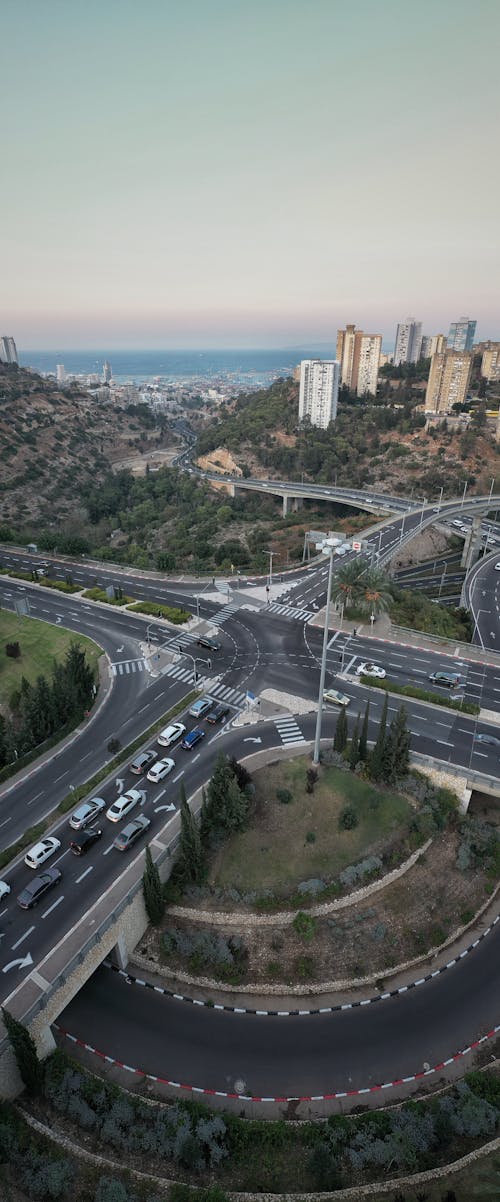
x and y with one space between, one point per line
271 557
329 550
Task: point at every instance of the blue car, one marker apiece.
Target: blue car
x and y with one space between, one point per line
193 738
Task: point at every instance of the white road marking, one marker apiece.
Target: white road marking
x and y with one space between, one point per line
53 906
83 874
23 937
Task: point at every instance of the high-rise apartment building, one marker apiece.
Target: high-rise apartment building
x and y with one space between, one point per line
432 344
369 362
448 381
319 389
8 350
408 342
359 357
107 372
461 335
60 373
490 362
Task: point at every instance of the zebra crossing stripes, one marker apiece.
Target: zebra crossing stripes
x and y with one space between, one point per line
178 673
290 734
289 611
222 693
227 612
125 666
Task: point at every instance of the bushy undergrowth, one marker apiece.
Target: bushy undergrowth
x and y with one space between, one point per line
206 950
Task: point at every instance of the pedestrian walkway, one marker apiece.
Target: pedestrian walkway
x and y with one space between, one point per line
219 692
232 696
224 614
125 666
289 611
289 732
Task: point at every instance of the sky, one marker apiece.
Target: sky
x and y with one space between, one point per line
232 173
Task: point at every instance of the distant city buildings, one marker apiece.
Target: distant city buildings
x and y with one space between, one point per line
408 342
461 335
319 388
60 373
8 350
449 379
490 362
359 357
107 372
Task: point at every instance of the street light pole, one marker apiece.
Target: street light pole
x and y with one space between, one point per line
317 740
491 487
464 492
440 499
271 556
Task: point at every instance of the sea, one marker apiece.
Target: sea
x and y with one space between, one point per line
240 367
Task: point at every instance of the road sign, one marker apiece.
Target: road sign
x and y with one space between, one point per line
356 546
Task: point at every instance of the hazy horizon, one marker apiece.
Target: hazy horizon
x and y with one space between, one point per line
247 175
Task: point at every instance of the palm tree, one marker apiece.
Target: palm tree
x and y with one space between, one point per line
348 583
376 595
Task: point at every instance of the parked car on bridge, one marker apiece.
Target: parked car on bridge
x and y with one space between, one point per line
38 887
132 831
86 813
123 805
41 851
171 734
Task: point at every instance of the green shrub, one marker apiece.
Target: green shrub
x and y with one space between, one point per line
285 796
348 819
304 924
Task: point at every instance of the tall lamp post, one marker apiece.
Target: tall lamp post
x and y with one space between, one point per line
271 557
328 549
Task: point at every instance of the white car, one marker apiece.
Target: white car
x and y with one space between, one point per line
160 769
41 851
370 669
497 567
123 805
4 890
171 734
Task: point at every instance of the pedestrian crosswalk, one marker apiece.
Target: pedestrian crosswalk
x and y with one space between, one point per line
289 611
289 732
125 666
219 692
227 612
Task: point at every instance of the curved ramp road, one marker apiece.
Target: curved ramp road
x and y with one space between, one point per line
291 1056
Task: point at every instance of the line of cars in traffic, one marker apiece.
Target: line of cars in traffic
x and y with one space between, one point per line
84 822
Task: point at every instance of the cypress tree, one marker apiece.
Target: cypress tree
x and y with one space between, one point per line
214 812
354 747
377 755
363 738
191 855
25 1053
236 807
152 890
340 736
401 739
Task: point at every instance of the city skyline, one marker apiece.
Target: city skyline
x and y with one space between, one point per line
243 176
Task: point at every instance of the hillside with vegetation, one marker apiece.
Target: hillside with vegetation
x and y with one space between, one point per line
54 441
378 443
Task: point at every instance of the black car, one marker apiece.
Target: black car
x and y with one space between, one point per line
212 644
143 761
86 839
38 887
218 714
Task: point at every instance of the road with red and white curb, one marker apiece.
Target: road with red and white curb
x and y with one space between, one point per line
244 1097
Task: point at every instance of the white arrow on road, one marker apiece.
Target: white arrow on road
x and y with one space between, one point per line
160 808
144 797
58 619
252 740
24 962
119 784
118 649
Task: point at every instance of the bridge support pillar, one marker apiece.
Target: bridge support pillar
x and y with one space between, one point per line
119 953
297 504
472 544
464 800
286 505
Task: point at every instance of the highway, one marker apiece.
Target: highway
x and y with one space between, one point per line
262 647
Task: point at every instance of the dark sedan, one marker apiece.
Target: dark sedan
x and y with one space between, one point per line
132 831
193 738
218 714
205 641
38 887
84 841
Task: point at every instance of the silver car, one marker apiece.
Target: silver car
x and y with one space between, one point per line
86 813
